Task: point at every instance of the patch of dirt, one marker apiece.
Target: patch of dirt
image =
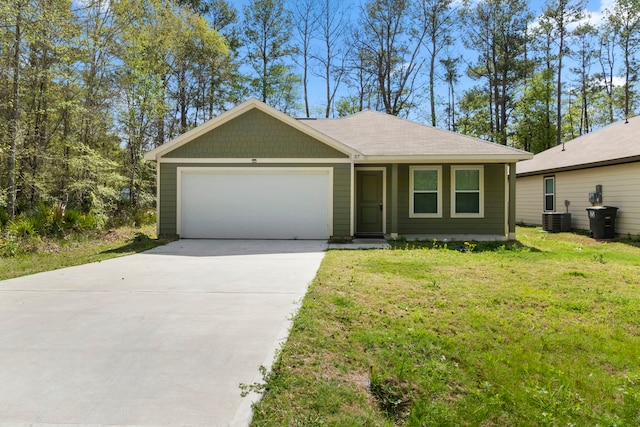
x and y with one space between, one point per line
455 393
49 247
360 381
112 235
394 396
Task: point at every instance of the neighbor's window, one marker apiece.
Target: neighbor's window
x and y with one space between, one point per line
467 195
549 193
425 191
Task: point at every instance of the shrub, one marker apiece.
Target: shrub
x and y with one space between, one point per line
4 218
18 239
91 222
57 218
143 217
8 245
126 215
24 227
73 220
41 219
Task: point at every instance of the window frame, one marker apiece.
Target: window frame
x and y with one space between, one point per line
480 191
545 194
412 192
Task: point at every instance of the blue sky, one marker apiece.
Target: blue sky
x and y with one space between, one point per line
595 7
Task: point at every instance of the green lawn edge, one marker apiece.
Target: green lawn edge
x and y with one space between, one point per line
542 332
53 254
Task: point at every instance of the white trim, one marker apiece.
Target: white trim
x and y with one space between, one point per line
507 202
158 167
481 191
384 193
253 161
181 170
352 219
240 109
438 214
447 158
545 194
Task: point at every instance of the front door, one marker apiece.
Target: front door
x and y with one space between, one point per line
369 208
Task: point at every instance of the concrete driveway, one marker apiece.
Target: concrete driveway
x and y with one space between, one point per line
159 338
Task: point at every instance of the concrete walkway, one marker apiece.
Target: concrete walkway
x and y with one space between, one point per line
159 338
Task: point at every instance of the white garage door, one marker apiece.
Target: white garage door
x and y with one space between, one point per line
255 203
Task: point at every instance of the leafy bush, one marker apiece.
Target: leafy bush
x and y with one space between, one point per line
57 218
143 217
24 227
19 238
24 234
9 245
4 218
41 219
91 222
73 220
128 216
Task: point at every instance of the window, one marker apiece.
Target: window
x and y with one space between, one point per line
549 194
467 194
425 192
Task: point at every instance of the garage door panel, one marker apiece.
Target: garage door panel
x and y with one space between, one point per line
265 204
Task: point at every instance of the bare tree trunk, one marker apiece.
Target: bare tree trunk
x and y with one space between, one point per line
627 80
559 104
327 70
305 85
13 125
432 78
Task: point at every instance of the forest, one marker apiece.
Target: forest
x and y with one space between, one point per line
87 86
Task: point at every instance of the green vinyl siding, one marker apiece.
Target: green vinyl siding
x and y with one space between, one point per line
341 200
254 135
493 222
169 193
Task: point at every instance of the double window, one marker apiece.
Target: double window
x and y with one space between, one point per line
425 184
549 193
425 191
467 195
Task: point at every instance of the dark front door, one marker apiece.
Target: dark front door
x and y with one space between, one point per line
369 203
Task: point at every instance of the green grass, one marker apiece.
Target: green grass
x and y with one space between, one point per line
52 254
543 332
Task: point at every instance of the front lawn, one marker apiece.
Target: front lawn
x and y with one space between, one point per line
546 332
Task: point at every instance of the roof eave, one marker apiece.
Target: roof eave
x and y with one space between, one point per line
613 162
445 158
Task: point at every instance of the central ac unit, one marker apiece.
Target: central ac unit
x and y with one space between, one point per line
556 221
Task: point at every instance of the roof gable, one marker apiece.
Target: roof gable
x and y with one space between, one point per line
616 143
194 134
255 134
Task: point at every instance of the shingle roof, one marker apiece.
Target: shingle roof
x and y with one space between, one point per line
369 136
377 134
616 143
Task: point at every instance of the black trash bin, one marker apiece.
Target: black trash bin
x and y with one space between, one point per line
602 221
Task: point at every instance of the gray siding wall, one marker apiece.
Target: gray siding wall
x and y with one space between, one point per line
341 193
619 187
493 222
255 135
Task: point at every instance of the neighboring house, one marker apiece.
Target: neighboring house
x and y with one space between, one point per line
609 157
254 172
